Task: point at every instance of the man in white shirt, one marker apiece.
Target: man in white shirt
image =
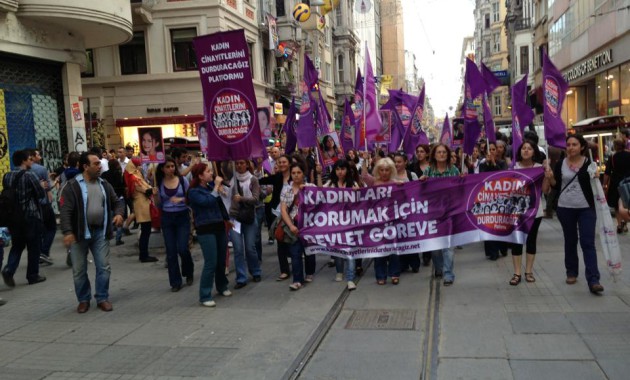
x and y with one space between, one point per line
122 158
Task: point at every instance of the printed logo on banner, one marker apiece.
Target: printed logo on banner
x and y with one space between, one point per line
404 113
416 122
499 204
551 95
232 115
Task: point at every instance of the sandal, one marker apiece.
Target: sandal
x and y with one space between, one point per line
380 282
282 277
529 277
516 279
295 286
395 280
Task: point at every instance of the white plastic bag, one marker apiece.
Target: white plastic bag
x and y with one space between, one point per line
606 230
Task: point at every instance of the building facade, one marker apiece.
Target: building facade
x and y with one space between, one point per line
42 55
393 45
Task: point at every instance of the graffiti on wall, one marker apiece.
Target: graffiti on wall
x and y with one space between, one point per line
50 150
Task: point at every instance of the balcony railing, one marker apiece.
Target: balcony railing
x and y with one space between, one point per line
522 24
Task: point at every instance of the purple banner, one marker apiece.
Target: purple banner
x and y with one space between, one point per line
347 128
323 116
306 131
492 81
446 137
522 114
420 216
554 89
228 95
289 129
415 134
372 115
487 120
359 130
401 104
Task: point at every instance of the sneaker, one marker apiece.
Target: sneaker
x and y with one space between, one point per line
351 285
226 293
209 303
230 244
8 279
45 260
339 277
120 242
309 278
270 241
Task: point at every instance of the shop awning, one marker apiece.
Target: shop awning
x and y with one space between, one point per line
159 120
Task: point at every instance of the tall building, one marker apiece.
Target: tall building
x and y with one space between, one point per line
367 23
491 49
42 55
393 45
346 48
520 39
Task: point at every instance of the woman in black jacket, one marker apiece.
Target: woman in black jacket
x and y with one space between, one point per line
115 178
576 210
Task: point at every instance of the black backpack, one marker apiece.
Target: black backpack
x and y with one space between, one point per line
12 215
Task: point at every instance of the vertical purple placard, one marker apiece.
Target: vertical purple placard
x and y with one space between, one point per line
228 96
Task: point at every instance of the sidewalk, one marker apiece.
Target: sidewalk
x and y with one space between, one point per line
483 327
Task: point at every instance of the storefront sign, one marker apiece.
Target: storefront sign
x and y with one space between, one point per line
277 108
589 65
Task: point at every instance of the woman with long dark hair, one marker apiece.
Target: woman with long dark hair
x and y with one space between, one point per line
175 222
140 191
211 220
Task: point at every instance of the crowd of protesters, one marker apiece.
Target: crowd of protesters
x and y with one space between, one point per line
104 195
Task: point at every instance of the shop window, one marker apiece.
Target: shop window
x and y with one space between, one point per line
89 64
601 99
133 59
613 91
183 52
624 79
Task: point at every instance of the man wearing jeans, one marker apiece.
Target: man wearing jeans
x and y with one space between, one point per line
89 207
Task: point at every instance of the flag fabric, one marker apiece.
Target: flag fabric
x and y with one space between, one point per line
415 134
289 129
401 104
476 82
474 85
446 137
487 119
372 115
522 114
323 116
492 82
359 131
554 89
306 131
229 100
347 128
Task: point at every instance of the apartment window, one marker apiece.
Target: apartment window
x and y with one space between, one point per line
340 73
280 11
339 16
524 57
496 105
183 53
496 46
486 50
133 58
89 67
487 20
251 45
495 12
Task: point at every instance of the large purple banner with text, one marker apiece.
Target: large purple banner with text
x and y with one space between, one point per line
228 96
420 216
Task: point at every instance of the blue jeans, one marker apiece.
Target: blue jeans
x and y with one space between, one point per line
297 264
388 265
213 248
99 246
260 218
143 241
349 268
48 237
443 261
175 229
31 239
579 224
245 254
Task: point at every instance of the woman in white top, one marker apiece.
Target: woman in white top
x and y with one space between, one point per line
526 157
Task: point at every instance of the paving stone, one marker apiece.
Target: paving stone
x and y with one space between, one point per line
190 361
103 333
555 369
334 365
540 323
12 350
122 359
483 339
23 374
590 303
601 323
464 369
217 337
609 346
42 331
159 334
547 347
615 369
57 357
8 325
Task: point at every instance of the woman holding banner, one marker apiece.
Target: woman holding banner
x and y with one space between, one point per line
490 164
279 180
289 211
384 173
341 177
403 175
441 165
527 157
576 210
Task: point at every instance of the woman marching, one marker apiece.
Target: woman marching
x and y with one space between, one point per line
527 157
289 213
210 218
341 177
576 210
490 164
175 222
441 165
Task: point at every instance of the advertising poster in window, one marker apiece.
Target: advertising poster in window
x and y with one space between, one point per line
151 144
330 149
266 123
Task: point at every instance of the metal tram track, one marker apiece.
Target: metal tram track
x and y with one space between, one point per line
430 343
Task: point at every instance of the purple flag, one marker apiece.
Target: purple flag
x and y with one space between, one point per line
372 116
446 137
347 128
306 132
492 81
359 131
228 96
289 129
554 89
415 134
487 119
522 114
323 116
401 104
474 79
472 129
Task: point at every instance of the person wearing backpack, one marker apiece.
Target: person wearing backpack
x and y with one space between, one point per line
20 201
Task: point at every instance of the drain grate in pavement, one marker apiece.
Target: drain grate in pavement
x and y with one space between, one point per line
382 320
